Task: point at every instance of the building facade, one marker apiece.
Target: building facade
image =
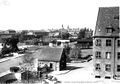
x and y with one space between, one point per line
106 43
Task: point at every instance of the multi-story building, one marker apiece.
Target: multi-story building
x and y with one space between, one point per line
106 43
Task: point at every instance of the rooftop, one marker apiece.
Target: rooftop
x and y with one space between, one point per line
49 54
107 19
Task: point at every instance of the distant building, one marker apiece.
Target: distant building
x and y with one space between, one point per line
88 33
63 43
7 33
54 58
10 31
85 43
106 44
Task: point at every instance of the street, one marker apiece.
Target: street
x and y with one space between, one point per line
5 65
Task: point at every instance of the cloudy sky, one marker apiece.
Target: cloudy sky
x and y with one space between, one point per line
46 14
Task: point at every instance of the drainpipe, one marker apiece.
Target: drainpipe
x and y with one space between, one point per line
114 48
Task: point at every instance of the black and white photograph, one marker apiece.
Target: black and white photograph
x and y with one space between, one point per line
59 42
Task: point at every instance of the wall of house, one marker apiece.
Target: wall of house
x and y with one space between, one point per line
103 61
55 65
117 62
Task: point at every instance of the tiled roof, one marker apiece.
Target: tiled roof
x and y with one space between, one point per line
49 54
106 19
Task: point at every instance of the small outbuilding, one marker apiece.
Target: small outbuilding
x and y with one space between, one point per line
51 57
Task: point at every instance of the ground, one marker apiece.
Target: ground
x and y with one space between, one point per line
81 73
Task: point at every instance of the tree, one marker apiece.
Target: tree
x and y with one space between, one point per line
75 53
28 58
67 52
64 35
85 33
81 33
27 66
9 44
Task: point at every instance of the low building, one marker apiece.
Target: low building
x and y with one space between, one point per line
54 58
63 43
84 43
10 31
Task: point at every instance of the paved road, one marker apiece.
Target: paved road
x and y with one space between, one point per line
4 66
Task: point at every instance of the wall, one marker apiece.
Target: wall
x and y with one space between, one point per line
117 49
103 49
55 64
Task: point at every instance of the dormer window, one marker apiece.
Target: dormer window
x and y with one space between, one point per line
109 29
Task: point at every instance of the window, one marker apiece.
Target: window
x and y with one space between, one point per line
108 67
108 55
98 42
97 67
98 55
118 43
118 68
97 76
107 77
109 30
51 65
108 42
118 55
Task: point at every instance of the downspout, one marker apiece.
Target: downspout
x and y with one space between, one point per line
114 58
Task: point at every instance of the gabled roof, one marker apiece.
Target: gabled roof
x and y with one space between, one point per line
49 54
106 19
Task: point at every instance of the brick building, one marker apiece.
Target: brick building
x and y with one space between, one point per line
106 43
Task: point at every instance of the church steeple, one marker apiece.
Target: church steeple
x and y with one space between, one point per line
62 26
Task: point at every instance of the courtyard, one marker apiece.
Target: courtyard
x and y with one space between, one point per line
81 73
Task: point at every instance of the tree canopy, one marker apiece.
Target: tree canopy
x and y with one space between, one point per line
64 35
85 33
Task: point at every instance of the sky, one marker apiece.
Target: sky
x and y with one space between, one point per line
48 14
